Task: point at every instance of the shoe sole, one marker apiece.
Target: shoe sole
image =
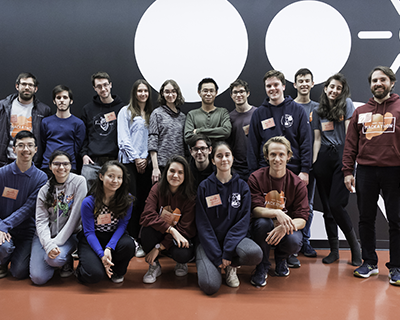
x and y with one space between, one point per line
294 266
259 285
282 275
371 273
310 255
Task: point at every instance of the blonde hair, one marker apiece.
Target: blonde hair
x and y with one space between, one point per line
281 140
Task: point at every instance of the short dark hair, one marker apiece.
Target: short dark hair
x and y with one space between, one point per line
25 75
22 135
61 88
198 137
180 100
275 73
100 75
303 72
385 70
218 144
239 83
207 80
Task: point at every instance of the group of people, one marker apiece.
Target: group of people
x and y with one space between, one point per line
213 187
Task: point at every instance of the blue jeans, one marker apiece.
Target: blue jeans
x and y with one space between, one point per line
289 244
17 251
42 267
370 181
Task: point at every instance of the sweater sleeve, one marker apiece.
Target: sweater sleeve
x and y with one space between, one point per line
351 146
85 145
305 142
239 230
27 209
206 233
87 215
79 134
254 141
121 227
74 216
150 216
153 133
42 222
221 132
189 127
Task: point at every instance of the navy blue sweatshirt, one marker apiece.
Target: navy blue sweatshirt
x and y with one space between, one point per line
289 120
221 227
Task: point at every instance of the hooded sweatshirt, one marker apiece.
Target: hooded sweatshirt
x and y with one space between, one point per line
55 225
222 216
101 128
373 135
286 119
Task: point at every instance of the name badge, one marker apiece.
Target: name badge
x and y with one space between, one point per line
10 193
213 201
246 129
110 116
364 117
327 126
104 218
268 123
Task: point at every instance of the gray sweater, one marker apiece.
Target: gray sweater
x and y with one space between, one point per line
53 231
166 134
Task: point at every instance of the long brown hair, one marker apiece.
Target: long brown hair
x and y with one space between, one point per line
122 199
133 103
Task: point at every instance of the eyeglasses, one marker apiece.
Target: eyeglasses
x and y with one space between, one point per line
235 92
22 146
202 149
211 91
167 92
25 84
59 164
101 86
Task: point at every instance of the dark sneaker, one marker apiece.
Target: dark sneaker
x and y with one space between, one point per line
259 278
308 251
281 268
3 271
366 270
293 262
394 276
117 279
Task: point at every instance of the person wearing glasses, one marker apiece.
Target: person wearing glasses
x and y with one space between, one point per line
166 128
57 220
209 120
200 164
21 111
20 182
100 118
240 119
62 131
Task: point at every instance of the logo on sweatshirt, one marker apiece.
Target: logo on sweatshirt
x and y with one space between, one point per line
287 120
379 124
102 126
235 200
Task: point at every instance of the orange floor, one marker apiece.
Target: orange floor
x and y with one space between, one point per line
314 291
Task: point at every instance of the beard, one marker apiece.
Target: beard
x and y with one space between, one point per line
26 96
381 95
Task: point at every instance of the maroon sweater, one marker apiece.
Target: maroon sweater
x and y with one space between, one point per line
151 217
373 136
290 187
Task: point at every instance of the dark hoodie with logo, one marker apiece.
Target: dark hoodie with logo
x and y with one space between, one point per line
289 120
373 135
221 225
101 128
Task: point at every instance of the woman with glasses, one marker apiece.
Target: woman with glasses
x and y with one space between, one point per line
57 220
166 128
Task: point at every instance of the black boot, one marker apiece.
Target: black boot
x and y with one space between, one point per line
356 259
334 254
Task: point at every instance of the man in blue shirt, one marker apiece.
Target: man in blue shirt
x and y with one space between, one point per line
20 182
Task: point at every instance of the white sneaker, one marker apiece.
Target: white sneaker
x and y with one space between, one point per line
117 279
152 274
231 279
139 252
181 269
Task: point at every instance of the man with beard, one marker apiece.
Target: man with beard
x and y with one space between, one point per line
21 111
62 131
100 118
373 140
240 119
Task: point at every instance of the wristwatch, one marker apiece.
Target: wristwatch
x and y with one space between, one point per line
158 247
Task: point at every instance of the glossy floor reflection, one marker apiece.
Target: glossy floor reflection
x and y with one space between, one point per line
314 291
